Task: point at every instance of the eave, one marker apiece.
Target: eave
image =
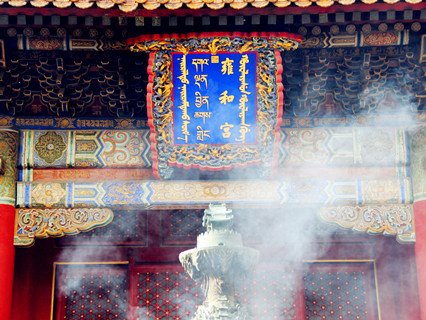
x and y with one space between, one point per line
185 8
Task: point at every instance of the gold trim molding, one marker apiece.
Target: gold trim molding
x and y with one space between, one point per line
131 5
43 223
395 220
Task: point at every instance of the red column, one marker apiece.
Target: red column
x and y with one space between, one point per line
7 258
420 225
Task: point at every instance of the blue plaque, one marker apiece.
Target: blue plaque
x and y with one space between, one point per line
214 98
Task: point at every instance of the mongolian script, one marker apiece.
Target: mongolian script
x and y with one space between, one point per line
184 100
214 98
244 127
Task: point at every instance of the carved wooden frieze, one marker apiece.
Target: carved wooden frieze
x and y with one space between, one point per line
396 220
43 223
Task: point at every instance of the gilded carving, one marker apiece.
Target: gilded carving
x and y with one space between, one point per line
216 44
8 156
44 223
397 220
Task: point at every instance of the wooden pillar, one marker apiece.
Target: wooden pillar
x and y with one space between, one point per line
418 172
8 156
420 218
7 254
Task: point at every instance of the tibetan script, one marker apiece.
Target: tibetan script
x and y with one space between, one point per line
214 98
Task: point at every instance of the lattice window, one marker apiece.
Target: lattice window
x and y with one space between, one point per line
271 293
345 292
330 291
91 292
165 293
181 227
127 228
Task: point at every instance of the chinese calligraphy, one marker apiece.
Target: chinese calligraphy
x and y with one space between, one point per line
227 66
225 98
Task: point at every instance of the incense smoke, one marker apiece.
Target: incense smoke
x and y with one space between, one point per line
285 236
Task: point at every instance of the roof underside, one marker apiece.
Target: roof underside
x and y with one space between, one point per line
131 5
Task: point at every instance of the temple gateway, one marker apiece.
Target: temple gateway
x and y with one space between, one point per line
217 159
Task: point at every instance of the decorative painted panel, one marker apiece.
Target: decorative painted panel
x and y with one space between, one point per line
61 123
297 147
351 35
8 156
358 146
109 148
50 148
383 38
308 192
88 174
92 291
71 43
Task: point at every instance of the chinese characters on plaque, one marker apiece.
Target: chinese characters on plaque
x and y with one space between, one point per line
214 98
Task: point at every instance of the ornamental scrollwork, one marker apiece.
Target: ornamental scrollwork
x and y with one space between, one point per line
217 44
43 223
396 220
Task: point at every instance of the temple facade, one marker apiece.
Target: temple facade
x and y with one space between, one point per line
122 121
